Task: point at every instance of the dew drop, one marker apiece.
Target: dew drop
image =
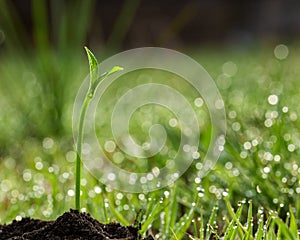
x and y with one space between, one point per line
111 177
48 143
200 194
229 69
228 165
27 175
97 189
173 122
71 193
110 146
267 169
247 145
281 51
285 109
197 180
273 99
258 189
236 126
198 102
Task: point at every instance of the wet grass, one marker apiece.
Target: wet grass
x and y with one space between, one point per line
251 193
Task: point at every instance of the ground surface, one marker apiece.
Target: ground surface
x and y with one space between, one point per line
71 225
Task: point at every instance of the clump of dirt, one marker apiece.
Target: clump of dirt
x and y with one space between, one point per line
70 226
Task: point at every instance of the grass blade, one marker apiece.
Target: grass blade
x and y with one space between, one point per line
154 214
184 224
211 222
293 223
260 228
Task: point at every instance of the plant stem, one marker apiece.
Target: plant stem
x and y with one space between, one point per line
83 111
95 80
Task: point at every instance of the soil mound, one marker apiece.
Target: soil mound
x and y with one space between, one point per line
70 226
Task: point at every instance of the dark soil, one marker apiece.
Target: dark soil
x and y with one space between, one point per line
70 226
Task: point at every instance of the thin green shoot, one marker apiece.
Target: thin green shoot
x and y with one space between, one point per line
95 80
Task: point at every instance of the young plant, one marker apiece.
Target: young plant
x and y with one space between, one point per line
95 80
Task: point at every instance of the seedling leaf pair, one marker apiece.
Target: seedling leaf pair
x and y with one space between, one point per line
95 79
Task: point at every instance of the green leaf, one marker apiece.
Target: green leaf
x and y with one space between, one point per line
211 222
293 223
236 216
171 211
103 76
116 213
114 69
184 223
249 232
154 214
94 78
260 228
93 69
285 231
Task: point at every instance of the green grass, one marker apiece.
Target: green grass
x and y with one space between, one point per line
252 192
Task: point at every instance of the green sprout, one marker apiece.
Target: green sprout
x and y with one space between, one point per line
95 80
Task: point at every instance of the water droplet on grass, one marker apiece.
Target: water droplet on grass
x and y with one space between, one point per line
293 116
254 142
166 193
110 146
83 182
273 99
97 189
228 165
236 126
219 104
247 145
281 51
267 169
235 172
285 109
111 177
200 194
173 122
48 143
27 175
268 122
224 81
71 193
71 156
141 197
243 154
197 180
196 155
199 166
258 189
291 147
39 165
229 69
277 158
225 194
91 194
198 102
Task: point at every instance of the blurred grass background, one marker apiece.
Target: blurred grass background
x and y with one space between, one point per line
42 65
42 47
